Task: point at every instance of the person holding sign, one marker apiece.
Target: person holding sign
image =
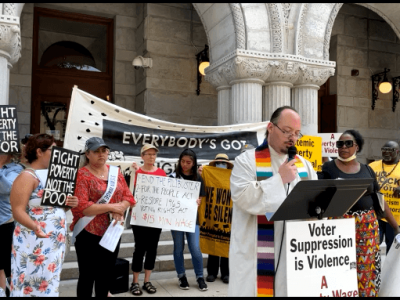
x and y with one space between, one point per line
260 182
186 168
214 263
146 238
387 170
102 189
365 211
39 235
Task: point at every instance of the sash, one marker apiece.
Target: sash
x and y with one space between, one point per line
265 228
111 187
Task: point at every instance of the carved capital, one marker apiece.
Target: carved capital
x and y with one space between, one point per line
216 79
287 71
314 75
245 68
10 38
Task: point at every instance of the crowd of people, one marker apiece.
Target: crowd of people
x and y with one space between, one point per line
34 236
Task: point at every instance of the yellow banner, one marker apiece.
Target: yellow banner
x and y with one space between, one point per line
310 147
215 213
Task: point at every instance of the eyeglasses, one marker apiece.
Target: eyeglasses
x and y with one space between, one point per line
150 154
347 143
387 149
289 134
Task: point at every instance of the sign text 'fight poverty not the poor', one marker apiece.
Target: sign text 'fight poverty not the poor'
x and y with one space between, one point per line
9 134
164 202
61 178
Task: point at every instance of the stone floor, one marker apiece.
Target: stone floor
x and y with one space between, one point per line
166 284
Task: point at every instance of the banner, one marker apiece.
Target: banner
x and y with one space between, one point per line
215 213
164 202
126 132
61 178
9 133
321 258
310 147
329 144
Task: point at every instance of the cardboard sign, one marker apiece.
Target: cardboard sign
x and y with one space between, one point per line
329 144
310 147
164 202
321 258
9 133
61 178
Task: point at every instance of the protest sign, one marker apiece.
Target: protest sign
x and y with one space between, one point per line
329 144
127 171
310 147
215 213
321 258
9 133
61 178
164 202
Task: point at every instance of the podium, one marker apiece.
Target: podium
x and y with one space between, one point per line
321 253
321 198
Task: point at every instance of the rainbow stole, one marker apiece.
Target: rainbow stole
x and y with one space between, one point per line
265 229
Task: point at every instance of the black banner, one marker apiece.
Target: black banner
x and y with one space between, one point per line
9 133
130 138
61 178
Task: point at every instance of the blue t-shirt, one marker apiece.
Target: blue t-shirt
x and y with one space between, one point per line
7 176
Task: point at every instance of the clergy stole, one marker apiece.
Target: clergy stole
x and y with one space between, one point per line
265 229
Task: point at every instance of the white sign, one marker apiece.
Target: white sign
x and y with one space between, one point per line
165 202
329 144
321 258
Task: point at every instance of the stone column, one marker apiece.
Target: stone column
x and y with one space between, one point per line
246 101
276 94
305 95
305 101
10 52
224 105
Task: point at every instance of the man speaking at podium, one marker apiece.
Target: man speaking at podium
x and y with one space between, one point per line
260 182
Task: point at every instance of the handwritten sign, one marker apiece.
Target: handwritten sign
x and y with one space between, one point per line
61 178
321 258
310 148
329 144
9 133
165 202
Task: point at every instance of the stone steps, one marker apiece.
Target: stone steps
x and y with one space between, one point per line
164 260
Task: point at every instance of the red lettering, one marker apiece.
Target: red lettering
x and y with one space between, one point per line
324 283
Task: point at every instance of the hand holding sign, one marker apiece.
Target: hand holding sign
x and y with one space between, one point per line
61 178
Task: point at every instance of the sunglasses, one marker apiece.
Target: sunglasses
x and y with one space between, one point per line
387 149
348 143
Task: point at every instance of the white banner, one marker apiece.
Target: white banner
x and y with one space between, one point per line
321 258
126 132
165 202
329 144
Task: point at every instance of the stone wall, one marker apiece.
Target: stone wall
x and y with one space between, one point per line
167 91
362 40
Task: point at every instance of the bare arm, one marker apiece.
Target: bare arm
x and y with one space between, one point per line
97 209
21 191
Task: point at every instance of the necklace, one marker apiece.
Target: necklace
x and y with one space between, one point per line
384 174
96 173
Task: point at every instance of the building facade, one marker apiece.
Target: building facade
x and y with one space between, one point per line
262 56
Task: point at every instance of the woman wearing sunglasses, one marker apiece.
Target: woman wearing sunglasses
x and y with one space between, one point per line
365 211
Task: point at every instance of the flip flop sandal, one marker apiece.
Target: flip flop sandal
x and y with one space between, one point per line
135 289
148 287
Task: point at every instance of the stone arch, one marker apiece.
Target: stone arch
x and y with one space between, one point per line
224 27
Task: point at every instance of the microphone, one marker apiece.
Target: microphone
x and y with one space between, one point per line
291 154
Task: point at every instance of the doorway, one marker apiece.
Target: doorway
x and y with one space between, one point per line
327 110
68 49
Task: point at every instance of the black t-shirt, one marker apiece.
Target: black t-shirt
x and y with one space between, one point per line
331 171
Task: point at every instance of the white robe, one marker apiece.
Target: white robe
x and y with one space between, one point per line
251 198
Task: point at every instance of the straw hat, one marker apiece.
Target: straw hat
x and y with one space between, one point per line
147 147
221 157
